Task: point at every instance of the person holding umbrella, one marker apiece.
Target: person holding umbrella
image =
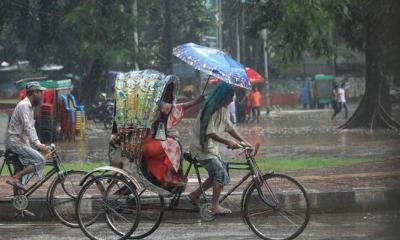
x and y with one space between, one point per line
211 122
213 117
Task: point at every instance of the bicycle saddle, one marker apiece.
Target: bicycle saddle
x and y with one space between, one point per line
11 157
188 156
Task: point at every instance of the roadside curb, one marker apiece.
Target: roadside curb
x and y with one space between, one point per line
356 200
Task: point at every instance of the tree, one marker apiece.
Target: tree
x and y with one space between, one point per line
371 27
366 25
92 36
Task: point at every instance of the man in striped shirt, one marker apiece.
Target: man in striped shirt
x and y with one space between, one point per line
22 134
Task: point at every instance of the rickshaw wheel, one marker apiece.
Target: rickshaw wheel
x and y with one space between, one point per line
151 214
113 201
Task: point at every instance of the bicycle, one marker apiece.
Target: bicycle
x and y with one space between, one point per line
269 202
61 194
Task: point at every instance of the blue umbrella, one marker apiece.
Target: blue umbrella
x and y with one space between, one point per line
214 63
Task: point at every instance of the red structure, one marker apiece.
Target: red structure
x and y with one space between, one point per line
282 99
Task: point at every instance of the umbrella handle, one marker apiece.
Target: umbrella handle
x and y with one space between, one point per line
204 89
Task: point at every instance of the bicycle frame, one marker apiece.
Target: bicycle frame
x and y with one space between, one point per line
55 162
249 165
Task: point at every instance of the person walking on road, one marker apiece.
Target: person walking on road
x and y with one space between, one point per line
232 111
22 134
334 101
211 122
306 95
255 102
342 99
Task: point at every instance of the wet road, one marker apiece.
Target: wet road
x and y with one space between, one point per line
286 133
366 226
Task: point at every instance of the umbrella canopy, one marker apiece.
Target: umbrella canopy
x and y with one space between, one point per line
213 62
254 76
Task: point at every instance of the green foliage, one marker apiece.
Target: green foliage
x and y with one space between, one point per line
99 30
295 27
91 36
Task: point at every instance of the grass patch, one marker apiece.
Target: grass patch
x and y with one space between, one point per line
9 101
304 162
279 164
81 166
285 163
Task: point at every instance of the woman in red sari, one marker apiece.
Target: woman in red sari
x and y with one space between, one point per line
162 158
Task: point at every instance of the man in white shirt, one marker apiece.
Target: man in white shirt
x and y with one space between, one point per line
22 134
342 99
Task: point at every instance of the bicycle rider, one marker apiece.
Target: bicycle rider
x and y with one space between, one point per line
22 134
211 122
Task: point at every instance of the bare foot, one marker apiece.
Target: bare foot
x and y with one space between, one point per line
221 210
16 183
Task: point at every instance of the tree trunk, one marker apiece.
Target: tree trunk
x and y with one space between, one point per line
91 82
375 107
135 34
167 38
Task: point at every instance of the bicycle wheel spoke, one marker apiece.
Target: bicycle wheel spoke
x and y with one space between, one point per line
259 212
119 215
63 202
287 218
293 215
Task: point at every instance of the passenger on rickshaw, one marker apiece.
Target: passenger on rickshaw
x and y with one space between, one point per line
162 158
210 123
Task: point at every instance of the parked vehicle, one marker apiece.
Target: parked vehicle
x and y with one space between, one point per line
322 86
103 111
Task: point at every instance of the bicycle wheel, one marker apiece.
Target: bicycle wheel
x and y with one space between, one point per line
288 214
63 193
151 214
113 203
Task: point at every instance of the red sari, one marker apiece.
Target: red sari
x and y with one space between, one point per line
162 158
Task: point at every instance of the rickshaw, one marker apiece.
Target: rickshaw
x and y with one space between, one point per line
124 202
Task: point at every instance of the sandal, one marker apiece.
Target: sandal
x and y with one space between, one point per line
17 184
